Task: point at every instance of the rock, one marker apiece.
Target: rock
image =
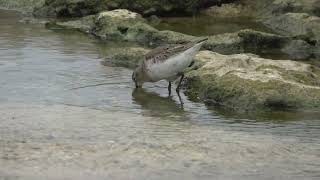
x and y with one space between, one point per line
79 8
299 49
129 26
228 43
288 17
70 8
118 24
125 57
301 26
21 5
234 10
296 24
245 41
245 82
85 24
154 20
278 7
124 25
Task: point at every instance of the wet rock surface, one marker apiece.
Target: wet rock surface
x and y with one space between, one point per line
247 82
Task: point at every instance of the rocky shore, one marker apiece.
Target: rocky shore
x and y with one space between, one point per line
242 82
78 8
227 73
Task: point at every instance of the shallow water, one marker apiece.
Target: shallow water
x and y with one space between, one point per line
203 25
48 131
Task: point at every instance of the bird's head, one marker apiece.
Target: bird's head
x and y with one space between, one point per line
137 77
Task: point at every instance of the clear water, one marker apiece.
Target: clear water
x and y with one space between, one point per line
48 131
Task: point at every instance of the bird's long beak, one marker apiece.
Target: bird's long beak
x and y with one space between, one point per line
201 40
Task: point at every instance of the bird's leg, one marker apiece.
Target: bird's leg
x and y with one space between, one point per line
180 99
178 88
169 88
180 81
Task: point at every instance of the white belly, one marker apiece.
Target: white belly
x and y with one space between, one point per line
174 65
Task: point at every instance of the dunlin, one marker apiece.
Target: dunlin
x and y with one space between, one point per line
167 62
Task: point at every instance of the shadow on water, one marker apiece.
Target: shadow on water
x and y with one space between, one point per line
157 106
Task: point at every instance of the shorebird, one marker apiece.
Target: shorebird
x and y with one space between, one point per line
167 62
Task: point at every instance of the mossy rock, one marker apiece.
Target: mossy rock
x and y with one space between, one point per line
124 25
125 57
245 82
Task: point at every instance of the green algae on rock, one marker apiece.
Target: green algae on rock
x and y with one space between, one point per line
121 24
125 25
246 82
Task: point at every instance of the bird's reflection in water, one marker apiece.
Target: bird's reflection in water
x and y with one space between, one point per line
155 105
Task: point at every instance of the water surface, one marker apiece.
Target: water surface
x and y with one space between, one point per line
203 25
49 131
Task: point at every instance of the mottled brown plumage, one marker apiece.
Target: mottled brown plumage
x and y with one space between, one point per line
163 53
167 62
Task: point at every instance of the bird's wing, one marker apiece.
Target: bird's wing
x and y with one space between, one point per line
163 53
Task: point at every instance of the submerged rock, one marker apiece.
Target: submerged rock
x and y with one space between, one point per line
78 8
246 82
